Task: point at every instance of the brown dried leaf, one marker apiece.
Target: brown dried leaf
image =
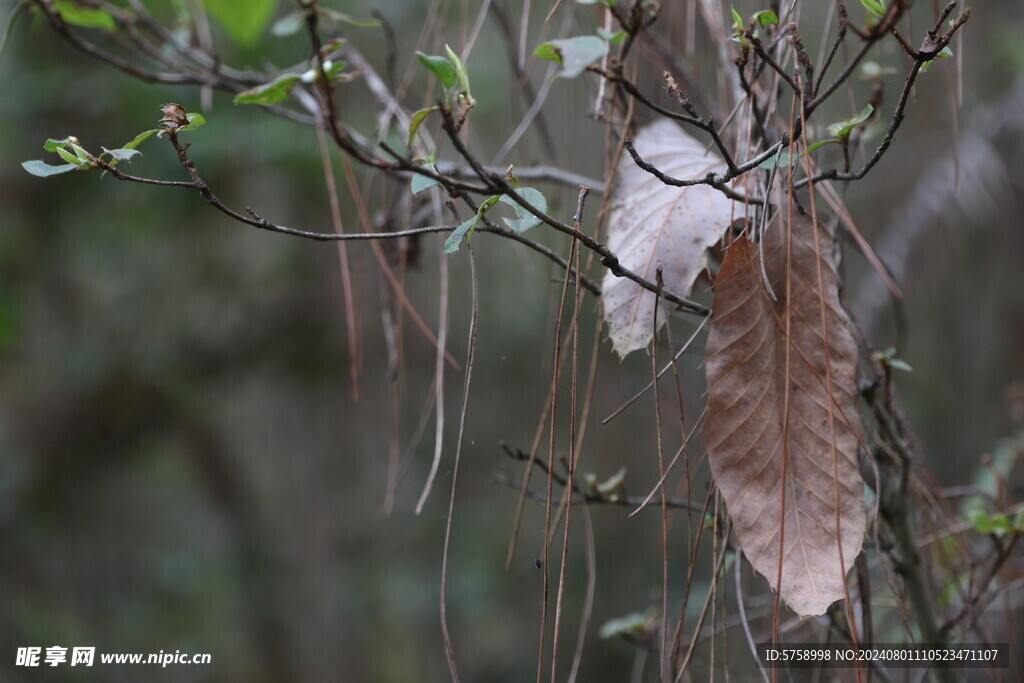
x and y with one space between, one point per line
761 435
652 223
175 116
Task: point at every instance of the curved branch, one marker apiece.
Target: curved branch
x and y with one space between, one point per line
255 220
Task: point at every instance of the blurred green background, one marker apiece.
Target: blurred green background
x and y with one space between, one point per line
183 465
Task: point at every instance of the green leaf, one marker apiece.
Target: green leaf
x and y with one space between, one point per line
331 68
451 245
888 358
842 129
42 169
194 121
574 54
944 52
440 67
334 69
79 152
548 52
613 37
138 139
416 121
289 24
123 154
460 69
421 182
737 20
51 144
86 17
820 143
897 364
766 17
525 220
242 20
630 626
273 92
69 157
995 524
875 7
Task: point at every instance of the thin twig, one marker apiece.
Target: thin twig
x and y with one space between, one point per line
719 181
501 186
474 315
922 56
589 496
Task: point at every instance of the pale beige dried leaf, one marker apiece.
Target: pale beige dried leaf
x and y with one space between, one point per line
756 445
652 223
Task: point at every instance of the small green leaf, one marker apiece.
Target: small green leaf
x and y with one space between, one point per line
897 364
194 121
944 52
416 121
460 69
51 144
123 154
451 245
995 524
631 626
875 7
242 20
842 129
42 169
549 52
138 139
334 69
421 182
820 143
86 17
574 54
440 67
273 92
69 157
486 205
613 37
737 20
525 220
766 17
79 152
289 24
889 359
